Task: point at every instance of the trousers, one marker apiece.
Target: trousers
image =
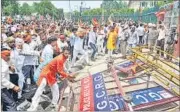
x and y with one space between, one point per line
7 101
110 52
93 47
100 47
14 79
123 47
28 71
84 56
54 90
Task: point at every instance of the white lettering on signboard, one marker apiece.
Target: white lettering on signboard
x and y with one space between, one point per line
98 78
87 102
86 80
86 86
100 85
101 95
113 104
86 92
101 105
142 97
154 96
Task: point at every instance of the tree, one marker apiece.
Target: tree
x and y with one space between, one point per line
8 10
60 13
25 9
10 7
6 3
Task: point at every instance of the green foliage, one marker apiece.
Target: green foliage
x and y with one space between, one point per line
25 9
12 7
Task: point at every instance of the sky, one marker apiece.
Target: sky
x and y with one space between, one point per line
74 4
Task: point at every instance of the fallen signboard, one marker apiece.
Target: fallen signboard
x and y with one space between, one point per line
94 97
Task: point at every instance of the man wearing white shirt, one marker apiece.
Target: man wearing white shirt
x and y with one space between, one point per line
161 39
141 33
92 42
100 41
7 100
78 48
72 40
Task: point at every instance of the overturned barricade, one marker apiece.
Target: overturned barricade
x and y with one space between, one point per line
133 85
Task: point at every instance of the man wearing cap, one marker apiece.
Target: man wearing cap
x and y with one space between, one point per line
13 72
30 59
18 61
6 99
133 39
123 41
152 36
9 43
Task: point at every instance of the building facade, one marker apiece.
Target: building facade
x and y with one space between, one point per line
142 4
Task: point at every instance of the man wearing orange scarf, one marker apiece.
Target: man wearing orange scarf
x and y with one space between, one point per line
48 76
6 99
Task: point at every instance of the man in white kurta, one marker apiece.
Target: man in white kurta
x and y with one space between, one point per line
78 48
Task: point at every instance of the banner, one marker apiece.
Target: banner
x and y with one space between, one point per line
86 94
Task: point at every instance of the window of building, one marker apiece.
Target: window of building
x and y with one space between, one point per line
143 4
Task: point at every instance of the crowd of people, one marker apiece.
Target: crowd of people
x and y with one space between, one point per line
36 52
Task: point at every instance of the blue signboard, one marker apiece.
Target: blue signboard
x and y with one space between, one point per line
101 102
149 95
116 102
128 63
139 97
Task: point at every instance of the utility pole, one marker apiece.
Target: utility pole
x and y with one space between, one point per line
81 8
102 14
70 10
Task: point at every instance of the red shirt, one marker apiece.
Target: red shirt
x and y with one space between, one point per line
55 66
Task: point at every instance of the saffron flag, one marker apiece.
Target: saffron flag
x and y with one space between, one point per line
95 22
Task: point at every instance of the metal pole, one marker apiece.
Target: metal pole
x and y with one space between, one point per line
70 9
